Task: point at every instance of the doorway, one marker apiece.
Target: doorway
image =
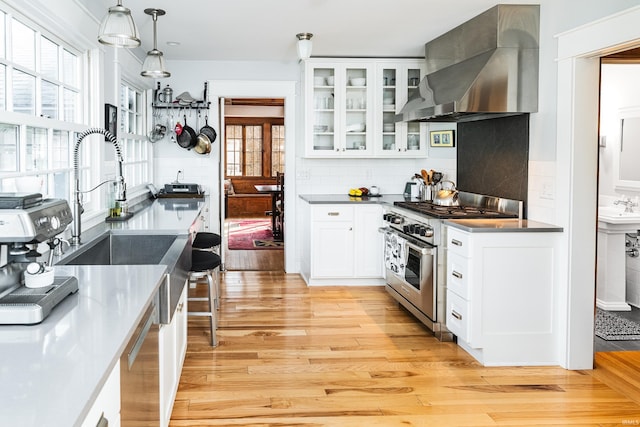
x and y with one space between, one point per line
258 89
579 53
254 162
617 314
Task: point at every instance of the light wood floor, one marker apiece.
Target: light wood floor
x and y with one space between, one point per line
290 355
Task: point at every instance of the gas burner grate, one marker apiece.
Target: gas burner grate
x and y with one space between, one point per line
439 211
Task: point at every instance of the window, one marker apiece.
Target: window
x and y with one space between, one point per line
135 146
40 91
254 146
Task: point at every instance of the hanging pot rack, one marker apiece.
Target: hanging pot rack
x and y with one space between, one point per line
196 105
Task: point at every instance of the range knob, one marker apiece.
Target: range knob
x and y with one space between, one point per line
396 219
426 231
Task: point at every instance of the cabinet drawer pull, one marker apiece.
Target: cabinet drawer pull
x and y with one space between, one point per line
456 314
456 274
456 242
333 213
180 307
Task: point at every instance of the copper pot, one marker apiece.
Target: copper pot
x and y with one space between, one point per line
203 144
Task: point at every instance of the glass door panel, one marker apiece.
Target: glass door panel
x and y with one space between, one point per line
356 109
324 109
389 103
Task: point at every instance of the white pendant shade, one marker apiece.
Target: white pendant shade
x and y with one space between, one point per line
153 65
118 29
304 45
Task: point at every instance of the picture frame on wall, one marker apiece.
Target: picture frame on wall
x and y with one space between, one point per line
442 138
111 119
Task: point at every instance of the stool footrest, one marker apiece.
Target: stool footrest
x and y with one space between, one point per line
197 299
200 313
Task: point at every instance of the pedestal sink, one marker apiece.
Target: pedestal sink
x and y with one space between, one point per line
614 215
613 224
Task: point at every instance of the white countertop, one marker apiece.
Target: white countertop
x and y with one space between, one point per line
50 373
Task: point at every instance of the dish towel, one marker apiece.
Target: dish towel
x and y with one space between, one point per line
394 253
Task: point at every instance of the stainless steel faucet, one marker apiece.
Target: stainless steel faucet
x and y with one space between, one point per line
120 189
628 204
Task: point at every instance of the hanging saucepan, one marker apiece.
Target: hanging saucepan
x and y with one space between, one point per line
203 144
187 138
208 130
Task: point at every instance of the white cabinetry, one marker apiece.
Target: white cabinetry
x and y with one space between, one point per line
350 106
345 245
107 404
394 84
173 346
500 295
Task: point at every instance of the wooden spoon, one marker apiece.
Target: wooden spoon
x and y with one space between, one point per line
425 176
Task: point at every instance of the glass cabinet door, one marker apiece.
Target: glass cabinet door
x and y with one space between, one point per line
413 141
355 110
324 118
389 102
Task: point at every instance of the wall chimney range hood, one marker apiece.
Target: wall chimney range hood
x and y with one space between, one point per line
484 68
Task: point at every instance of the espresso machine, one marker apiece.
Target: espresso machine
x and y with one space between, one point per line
29 288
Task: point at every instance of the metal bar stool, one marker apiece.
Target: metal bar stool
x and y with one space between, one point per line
205 241
205 264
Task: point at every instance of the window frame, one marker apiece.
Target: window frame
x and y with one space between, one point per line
84 66
266 123
137 151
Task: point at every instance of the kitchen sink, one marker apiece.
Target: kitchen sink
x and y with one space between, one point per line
122 249
141 248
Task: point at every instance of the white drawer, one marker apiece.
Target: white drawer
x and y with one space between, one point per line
457 315
458 275
333 213
458 242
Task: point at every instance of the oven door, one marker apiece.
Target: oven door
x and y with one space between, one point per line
414 272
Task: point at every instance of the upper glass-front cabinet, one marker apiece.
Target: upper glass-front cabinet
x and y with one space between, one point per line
339 117
351 107
323 120
397 82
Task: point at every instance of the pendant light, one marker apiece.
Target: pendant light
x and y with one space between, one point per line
118 29
304 45
153 65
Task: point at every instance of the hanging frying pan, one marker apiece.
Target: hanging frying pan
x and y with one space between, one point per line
187 138
208 130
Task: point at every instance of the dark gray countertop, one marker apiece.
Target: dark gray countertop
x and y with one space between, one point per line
501 225
329 199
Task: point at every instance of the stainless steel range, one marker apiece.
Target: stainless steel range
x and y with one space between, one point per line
415 251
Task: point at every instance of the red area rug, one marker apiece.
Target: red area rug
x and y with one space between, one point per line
252 234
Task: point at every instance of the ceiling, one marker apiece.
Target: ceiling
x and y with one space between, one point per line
265 30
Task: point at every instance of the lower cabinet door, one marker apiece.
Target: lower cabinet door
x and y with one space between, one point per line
107 404
332 252
168 379
369 242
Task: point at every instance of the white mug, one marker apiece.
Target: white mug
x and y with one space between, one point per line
374 191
